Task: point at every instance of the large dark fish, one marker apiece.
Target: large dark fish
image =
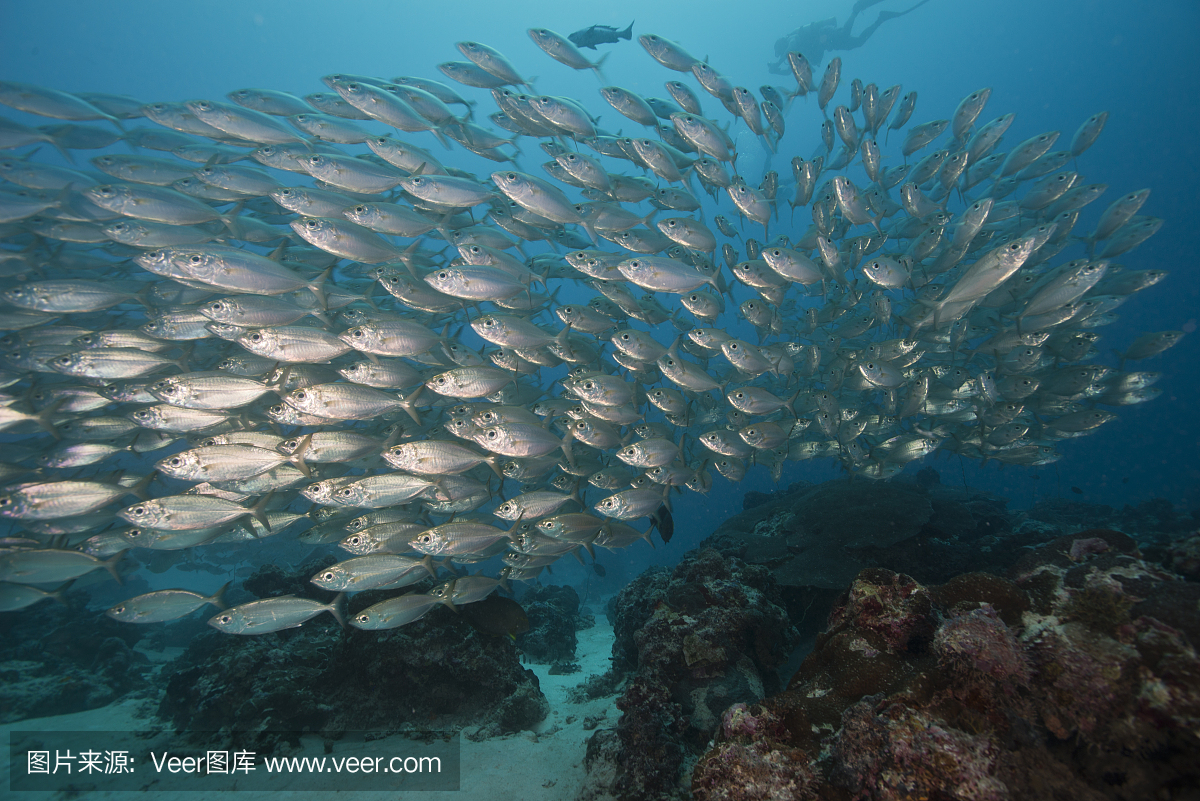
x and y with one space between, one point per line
600 34
665 523
497 616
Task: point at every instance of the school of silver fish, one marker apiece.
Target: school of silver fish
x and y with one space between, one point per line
278 316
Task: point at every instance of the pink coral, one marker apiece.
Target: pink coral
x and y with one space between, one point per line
742 721
1081 674
760 771
899 753
892 606
978 643
1083 548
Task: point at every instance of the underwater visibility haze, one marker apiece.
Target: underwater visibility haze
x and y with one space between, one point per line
409 341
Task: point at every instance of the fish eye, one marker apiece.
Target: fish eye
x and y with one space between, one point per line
255 337
138 510
176 462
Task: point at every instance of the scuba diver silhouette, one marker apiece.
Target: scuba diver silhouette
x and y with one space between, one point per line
815 39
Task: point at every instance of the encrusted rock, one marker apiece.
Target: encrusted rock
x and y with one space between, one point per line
1076 680
707 635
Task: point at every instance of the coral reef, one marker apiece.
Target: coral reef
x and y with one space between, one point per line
554 618
750 764
597 685
706 635
922 528
1076 678
1184 557
1153 520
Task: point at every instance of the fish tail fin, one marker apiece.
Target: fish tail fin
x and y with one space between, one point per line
596 68
217 599
626 34
297 458
337 608
62 151
184 355
317 287
566 447
591 232
45 417
111 566
494 463
138 490
409 404
58 594
259 511
430 568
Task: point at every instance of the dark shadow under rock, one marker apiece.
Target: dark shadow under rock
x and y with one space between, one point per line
816 538
437 672
56 661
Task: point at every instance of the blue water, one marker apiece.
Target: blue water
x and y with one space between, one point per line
1053 63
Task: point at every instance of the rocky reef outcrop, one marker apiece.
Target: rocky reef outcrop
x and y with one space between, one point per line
816 538
1076 677
554 618
699 638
